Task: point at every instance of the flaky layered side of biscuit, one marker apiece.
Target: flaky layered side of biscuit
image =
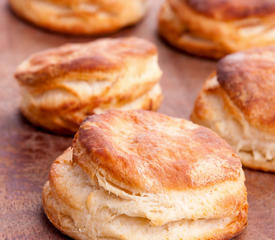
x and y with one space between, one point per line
91 17
238 103
215 28
60 87
131 175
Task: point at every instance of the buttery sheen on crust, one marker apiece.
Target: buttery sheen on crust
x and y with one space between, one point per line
90 17
239 104
215 28
61 86
134 175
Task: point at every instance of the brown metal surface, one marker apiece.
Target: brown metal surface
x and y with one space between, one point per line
26 152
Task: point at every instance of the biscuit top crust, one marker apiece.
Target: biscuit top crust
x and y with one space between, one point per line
248 78
232 9
95 5
151 152
101 55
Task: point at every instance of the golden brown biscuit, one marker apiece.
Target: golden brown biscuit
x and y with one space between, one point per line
239 104
61 86
90 17
143 175
214 28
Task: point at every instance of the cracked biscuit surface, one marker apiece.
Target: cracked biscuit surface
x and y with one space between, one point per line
238 103
60 87
215 28
80 17
144 175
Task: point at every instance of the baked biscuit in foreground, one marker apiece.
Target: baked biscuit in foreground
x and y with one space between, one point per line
215 28
81 17
61 86
143 175
238 102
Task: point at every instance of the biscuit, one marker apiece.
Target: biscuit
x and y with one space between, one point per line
215 28
61 86
143 175
238 102
81 17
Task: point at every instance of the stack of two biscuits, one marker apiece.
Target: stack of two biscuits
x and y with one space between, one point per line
62 86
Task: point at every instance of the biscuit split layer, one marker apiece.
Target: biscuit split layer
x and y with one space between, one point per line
144 175
215 28
61 86
81 17
238 103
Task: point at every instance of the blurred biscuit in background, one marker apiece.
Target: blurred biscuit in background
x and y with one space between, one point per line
238 102
215 28
81 17
60 87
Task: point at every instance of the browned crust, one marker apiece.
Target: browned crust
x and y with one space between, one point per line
107 18
101 55
232 9
260 166
66 127
175 32
201 112
204 114
123 143
65 120
248 78
202 35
